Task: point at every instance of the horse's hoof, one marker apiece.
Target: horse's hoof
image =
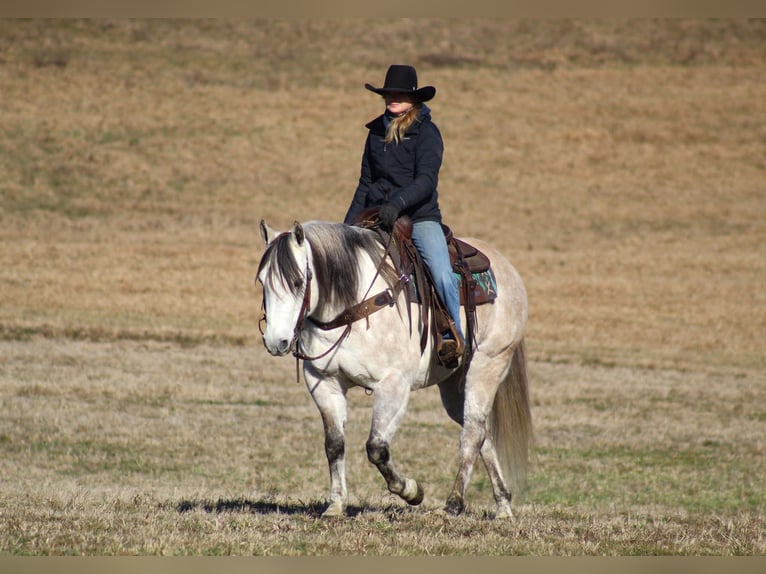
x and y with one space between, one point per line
412 493
454 506
334 510
503 514
417 497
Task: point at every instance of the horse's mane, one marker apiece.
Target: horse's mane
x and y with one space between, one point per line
338 251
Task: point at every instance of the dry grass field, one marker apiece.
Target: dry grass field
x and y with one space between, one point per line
621 165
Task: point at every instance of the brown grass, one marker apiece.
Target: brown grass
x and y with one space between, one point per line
619 164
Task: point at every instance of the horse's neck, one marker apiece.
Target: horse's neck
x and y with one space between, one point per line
369 283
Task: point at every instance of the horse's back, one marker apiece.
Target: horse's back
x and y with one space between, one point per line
507 315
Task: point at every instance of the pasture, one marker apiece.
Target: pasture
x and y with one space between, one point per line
620 165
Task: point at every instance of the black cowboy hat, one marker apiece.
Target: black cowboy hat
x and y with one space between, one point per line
403 79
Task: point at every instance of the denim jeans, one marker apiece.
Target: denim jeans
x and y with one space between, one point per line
428 237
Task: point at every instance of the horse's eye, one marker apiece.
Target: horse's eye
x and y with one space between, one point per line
298 283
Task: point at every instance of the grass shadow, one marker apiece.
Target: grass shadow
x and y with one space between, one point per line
313 509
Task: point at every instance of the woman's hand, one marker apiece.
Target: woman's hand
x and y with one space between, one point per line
388 213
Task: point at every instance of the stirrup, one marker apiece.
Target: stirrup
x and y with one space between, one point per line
450 352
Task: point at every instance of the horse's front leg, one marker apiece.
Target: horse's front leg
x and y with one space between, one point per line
330 397
389 406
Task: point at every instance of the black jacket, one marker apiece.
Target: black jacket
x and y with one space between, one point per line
406 173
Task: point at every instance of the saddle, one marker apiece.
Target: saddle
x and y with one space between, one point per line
472 268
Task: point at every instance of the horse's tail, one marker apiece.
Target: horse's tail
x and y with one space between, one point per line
510 421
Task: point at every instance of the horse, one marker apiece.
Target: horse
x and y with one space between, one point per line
312 274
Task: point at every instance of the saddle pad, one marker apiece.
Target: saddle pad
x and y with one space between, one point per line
484 287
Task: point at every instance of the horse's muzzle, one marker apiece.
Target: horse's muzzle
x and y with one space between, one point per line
279 348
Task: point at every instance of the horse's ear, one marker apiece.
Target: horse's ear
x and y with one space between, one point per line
267 233
298 231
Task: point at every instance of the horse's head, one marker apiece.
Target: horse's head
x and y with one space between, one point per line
285 274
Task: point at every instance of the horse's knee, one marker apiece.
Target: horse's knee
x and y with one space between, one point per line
377 452
334 445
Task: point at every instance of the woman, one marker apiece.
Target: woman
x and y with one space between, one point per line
400 172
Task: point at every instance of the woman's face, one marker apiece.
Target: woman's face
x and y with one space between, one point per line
398 102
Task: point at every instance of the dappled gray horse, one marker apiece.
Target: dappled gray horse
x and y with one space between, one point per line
315 272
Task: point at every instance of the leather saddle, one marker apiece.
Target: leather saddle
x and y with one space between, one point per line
473 269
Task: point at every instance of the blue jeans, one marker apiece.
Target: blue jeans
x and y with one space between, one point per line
428 237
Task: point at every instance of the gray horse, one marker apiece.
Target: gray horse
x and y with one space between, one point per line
316 270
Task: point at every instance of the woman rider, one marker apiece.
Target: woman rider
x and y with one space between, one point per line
399 173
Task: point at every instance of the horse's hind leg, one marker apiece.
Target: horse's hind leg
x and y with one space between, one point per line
331 400
389 405
452 399
499 486
481 384
455 503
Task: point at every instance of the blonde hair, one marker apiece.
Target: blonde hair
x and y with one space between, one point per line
400 124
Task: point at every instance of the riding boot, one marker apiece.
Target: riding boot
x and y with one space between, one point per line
451 347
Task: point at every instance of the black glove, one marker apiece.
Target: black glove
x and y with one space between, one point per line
389 211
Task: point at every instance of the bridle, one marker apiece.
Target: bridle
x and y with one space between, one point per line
302 316
295 344
385 298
